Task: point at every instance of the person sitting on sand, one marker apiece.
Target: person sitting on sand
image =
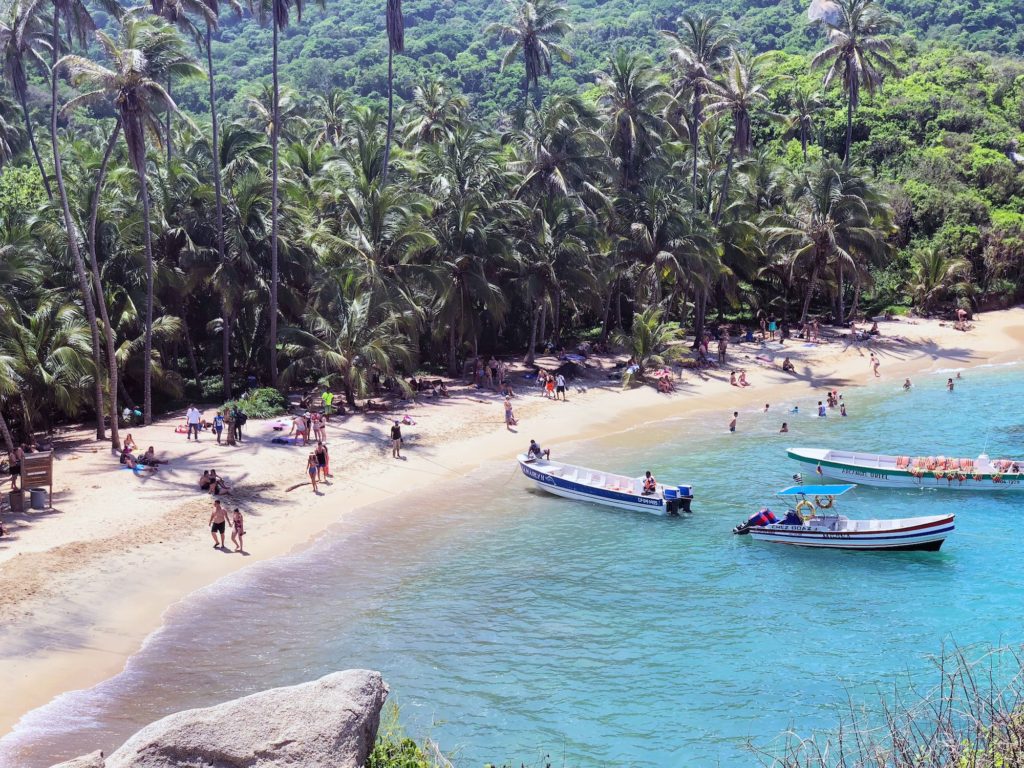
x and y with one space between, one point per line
874 330
650 484
217 484
536 452
506 390
129 443
743 379
149 458
664 385
127 457
732 379
444 390
205 481
787 366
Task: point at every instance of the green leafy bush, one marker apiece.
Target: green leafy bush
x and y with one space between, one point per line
264 403
403 753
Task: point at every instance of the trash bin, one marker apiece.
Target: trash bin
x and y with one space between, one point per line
38 499
17 500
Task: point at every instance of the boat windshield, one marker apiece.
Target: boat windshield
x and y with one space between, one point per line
816 490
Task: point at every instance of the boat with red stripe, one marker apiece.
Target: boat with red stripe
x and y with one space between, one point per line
814 524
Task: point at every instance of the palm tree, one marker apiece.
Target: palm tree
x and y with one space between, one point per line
435 112
24 39
147 52
396 44
741 91
701 48
805 106
832 218
856 53
652 342
934 276
278 12
534 29
632 97
329 113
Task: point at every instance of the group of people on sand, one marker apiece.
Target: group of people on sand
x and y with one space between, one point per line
131 459
219 520
308 427
740 380
492 374
551 384
233 420
318 465
213 483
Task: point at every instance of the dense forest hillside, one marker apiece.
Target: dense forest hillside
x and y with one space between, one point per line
345 46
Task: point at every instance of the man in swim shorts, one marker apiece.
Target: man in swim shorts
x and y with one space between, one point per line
218 519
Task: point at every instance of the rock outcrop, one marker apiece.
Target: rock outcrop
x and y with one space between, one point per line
328 723
824 10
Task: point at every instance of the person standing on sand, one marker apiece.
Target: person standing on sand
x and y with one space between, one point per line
396 441
322 459
237 529
772 328
192 420
311 470
218 519
218 426
560 387
874 365
327 398
723 347
732 421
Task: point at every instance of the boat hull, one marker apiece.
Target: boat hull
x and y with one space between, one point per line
828 467
927 536
569 489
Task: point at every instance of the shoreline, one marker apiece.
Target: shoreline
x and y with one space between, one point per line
153 577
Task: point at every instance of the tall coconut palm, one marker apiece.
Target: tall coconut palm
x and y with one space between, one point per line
856 53
278 13
396 44
146 53
804 107
79 24
700 48
741 90
24 39
435 112
832 219
632 98
534 29
934 276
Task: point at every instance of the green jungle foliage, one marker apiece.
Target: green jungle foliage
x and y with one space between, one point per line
634 186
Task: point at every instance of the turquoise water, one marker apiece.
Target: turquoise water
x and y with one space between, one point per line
512 625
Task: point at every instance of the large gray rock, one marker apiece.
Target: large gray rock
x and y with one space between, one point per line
93 760
328 723
824 10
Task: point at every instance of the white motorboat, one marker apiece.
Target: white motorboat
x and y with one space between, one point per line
884 471
813 524
612 490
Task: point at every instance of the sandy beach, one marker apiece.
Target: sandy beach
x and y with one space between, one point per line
86 582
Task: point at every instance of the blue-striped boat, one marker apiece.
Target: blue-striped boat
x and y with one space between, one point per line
813 524
605 488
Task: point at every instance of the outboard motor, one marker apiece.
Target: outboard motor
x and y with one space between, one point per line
757 520
678 499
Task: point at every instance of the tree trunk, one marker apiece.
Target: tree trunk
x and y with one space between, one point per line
810 293
8 439
841 314
76 252
608 312
849 124
189 347
391 109
856 301
123 392
22 97
556 319
803 141
543 323
531 351
453 366
725 184
167 129
97 287
275 119
215 147
700 306
147 362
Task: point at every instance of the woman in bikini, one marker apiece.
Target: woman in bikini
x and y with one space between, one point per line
237 529
311 470
321 461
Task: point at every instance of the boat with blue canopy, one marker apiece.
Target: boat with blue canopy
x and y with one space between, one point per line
811 522
607 488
